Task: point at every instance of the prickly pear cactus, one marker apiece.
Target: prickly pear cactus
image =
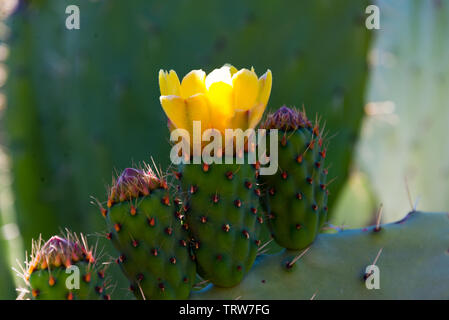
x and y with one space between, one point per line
295 198
224 219
50 272
67 125
146 227
412 262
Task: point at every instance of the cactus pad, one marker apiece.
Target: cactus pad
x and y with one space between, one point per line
146 228
224 219
296 196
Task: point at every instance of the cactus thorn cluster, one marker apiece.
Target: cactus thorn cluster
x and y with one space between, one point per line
49 266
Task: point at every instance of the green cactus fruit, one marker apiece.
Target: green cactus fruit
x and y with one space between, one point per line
295 198
145 225
63 268
224 219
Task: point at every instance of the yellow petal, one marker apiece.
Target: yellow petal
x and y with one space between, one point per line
220 98
255 115
265 87
193 83
197 109
232 69
219 75
169 83
246 89
241 120
175 109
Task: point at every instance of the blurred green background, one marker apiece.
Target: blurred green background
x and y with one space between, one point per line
76 106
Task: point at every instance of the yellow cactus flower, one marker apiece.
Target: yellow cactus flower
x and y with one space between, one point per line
226 98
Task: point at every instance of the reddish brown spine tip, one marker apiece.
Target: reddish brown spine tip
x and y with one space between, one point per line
87 277
215 198
256 165
245 234
151 221
284 141
238 203
229 175
135 243
226 227
253 210
168 231
118 227
173 260
104 212
323 153
70 296
203 219
248 184
284 175
205 167
165 200
132 211
178 175
154 252
183 243
298 226
193 189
